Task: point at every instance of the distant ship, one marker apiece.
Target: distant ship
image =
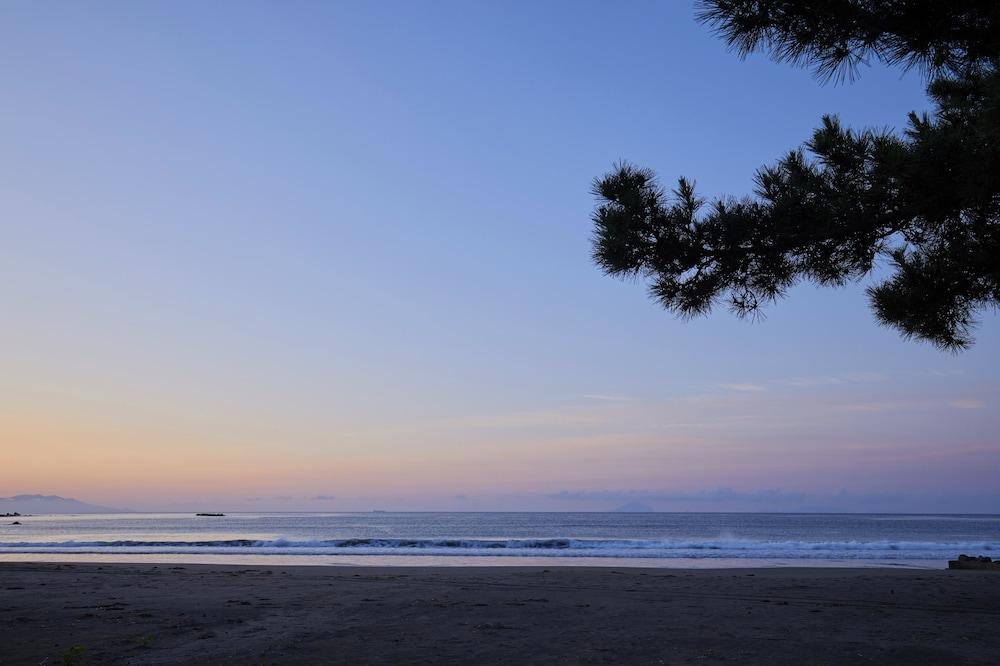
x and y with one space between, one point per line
209 514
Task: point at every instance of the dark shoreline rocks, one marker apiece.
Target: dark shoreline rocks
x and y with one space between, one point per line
980 563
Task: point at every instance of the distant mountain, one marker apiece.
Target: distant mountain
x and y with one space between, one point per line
36 504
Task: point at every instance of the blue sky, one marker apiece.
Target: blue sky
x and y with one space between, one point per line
344 236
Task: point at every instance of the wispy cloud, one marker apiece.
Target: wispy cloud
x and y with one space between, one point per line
727 499
745 388
718 494
967 404
835 380
607 398
288 498
878 406
939 373
579 416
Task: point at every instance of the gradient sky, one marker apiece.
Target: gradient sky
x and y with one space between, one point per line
335 255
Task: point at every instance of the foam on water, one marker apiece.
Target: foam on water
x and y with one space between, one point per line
562 547
659 537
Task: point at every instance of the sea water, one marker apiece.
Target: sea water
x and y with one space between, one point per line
616 539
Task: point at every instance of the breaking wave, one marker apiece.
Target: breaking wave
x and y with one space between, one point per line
565 547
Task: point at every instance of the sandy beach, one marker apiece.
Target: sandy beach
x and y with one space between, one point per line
174 614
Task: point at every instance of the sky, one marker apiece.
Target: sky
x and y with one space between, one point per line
336 256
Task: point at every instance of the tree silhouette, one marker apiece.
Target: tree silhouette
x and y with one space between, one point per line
928 200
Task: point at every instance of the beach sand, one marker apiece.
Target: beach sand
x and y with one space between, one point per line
207 614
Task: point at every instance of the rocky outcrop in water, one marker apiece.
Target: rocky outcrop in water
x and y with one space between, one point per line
973 562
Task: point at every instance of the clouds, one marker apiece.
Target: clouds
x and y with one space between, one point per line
834 380
748 445
393 348
709 496
745 388
706 499
762 434
728 499
810 382
967 404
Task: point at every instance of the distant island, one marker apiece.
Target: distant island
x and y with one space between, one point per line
38 504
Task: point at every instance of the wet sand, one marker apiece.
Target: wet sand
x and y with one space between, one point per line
180 614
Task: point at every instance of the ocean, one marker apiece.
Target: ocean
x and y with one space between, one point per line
612 539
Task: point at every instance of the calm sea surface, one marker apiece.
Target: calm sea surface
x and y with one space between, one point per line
614 539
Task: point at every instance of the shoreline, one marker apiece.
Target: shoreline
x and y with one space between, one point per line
180 613
460 561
